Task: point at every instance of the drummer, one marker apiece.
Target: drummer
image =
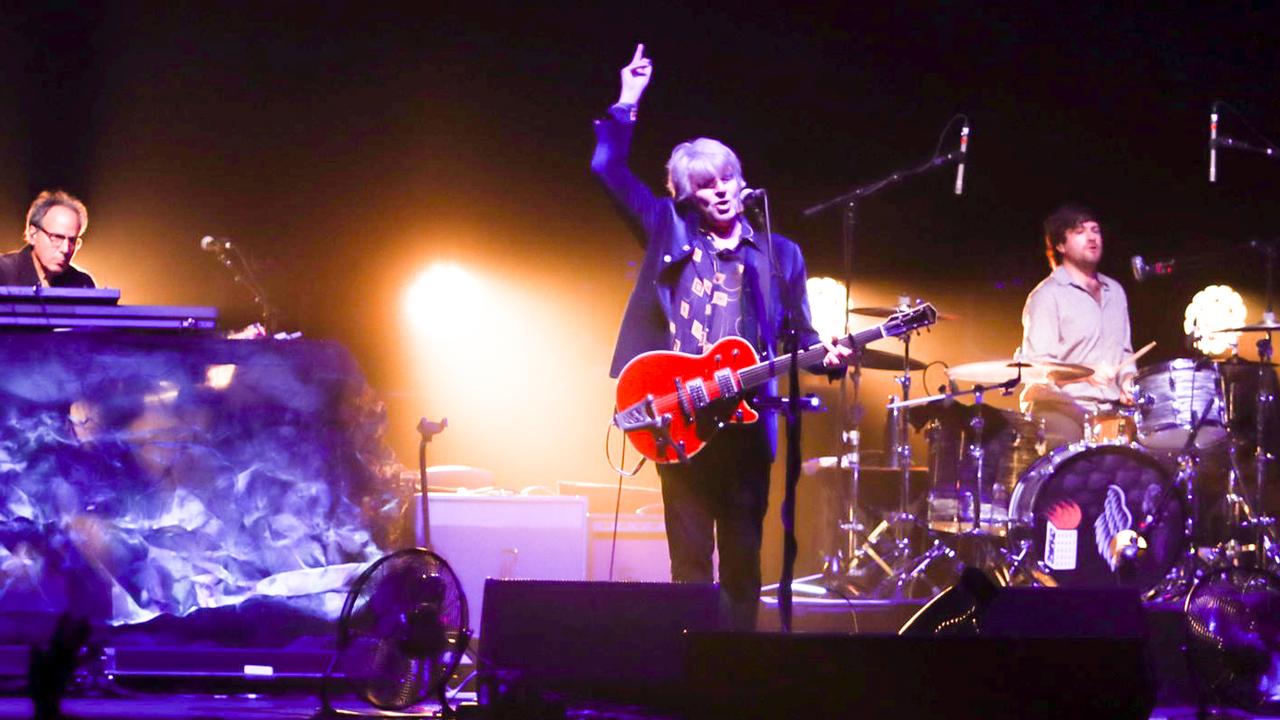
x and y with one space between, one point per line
1076 315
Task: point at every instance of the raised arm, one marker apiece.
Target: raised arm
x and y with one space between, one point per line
613 147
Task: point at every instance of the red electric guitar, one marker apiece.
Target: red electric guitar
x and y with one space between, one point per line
672 403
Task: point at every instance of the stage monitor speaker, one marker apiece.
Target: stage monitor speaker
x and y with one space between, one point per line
1021 612
768 675
605 641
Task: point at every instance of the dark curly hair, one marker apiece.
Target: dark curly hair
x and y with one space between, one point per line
1066 217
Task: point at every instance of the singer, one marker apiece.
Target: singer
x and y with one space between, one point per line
705 276
56 222
1076 315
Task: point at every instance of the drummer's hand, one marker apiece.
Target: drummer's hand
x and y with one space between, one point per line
1126 390
837 354
1104 376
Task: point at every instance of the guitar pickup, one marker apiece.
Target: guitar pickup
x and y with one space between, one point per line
641 416
726 383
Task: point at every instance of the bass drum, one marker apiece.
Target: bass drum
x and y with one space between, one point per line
1081 502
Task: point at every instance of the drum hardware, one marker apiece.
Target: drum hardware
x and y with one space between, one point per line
1267 541
983 551
1022 564
900 455
857 554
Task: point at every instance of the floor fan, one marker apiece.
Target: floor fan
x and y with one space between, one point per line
404 626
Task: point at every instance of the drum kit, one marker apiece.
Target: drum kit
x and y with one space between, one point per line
1153 497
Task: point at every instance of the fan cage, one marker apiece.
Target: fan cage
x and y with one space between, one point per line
403 630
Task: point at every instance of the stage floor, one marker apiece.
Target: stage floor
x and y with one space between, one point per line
188 707
163 698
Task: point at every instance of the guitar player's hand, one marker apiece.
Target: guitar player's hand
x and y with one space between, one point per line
837 354
635 77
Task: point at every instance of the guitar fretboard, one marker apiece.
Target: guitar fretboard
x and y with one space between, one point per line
759 374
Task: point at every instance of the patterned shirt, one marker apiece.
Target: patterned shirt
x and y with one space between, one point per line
709 300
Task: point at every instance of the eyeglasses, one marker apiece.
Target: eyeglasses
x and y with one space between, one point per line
58 241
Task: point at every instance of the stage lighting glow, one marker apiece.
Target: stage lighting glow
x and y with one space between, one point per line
219 377
444 297
1212 309
827 305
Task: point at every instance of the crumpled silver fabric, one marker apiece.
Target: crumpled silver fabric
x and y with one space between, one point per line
149 474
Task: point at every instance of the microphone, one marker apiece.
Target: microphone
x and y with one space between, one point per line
1142 271
209 243
964 149
1213 143
750 197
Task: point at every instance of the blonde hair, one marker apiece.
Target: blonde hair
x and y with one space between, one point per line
696 161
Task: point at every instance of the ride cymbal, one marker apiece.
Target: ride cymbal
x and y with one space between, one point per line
995 372
1262 326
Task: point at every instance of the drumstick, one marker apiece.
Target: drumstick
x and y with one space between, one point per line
1133 358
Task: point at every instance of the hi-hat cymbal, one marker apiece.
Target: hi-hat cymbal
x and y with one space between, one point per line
871 359
994 372
1263 326
886 312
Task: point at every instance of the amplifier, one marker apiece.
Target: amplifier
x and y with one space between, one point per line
641 553
506 537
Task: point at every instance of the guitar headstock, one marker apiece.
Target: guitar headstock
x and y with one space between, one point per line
913 318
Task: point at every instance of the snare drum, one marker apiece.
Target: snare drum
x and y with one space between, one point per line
1111 426
1076 503
1170 396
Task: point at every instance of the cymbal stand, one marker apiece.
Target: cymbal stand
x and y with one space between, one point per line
1268 549
914 569
1184 574
838 568
849 201
902 453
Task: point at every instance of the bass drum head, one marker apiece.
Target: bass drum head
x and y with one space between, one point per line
1074 504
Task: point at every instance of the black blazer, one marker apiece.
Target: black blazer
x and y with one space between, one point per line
17 268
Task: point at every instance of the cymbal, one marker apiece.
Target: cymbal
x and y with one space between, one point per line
885 312
880 360
994 372
1263 326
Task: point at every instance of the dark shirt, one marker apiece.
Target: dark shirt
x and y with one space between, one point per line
711 304
18 268
669 234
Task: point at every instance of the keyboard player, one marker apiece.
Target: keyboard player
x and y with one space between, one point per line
56 222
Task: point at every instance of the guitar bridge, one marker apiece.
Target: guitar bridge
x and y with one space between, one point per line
641 416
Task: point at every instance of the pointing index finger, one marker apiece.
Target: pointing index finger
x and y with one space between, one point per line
639 53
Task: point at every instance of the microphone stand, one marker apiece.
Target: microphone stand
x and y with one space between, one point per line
903 452
792 407
242 274
791 413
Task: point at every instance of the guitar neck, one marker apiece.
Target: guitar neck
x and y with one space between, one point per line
759 374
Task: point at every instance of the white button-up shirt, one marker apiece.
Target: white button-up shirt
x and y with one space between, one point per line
1061 321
